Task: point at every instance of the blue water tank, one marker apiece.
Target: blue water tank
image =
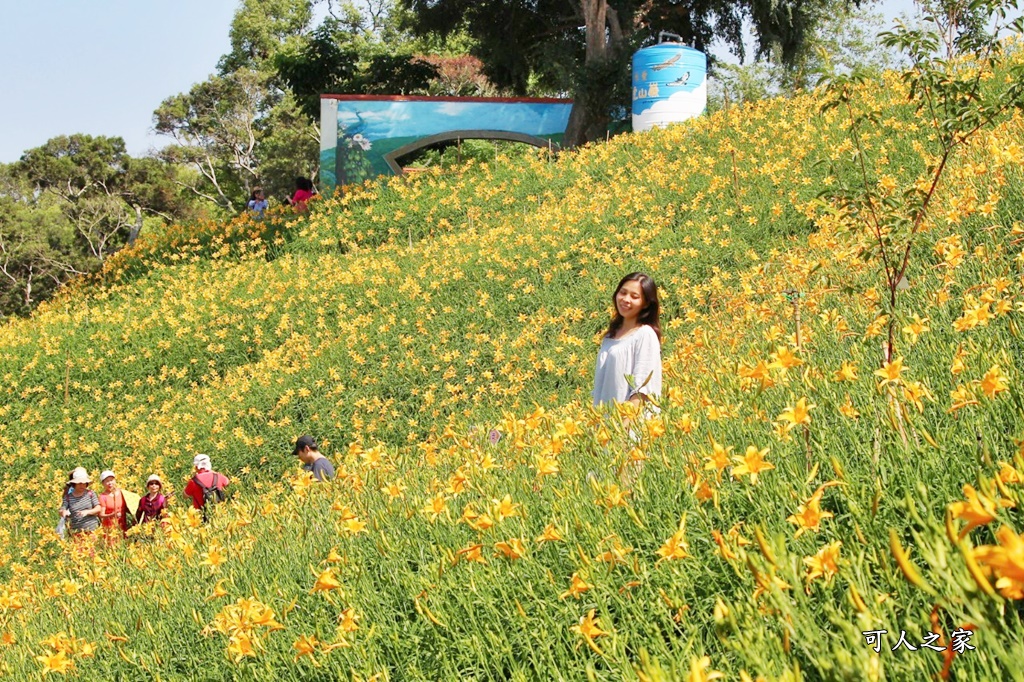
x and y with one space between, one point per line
669 85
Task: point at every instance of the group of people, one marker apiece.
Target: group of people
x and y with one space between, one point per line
628 371
299 199
82 511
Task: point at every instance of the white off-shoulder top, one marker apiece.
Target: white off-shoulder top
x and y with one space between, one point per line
637 354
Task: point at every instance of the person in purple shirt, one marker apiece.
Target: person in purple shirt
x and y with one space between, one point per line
152 504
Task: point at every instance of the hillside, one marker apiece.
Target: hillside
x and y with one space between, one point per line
438 336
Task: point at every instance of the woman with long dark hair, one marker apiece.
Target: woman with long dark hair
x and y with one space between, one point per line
629 362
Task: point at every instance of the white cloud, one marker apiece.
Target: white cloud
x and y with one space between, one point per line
451 108
678 107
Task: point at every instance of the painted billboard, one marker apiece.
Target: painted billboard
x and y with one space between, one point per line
363 136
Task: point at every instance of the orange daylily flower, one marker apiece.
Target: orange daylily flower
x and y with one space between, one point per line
797 414
589 628
550 534
994 382
218 590
512 549
962 397
57 662
809 514
305 645
824 564
1006 560
577 587
784 359
435 507
891 372
353 526
240 645
977 510
847 372
719 458
504 508
674 548
1008 474
473 553
327 581
751 464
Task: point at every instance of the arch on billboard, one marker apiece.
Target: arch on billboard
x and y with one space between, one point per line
456 135
364 136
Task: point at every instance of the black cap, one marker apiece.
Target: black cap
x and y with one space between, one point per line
304 442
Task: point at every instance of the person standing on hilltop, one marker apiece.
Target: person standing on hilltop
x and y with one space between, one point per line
257 203
631 347
308 453
206 485
303 193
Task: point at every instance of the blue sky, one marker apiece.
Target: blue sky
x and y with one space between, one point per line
101 66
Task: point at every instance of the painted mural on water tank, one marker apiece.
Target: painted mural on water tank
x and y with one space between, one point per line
669 85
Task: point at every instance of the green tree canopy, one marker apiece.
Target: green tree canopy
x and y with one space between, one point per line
583 47
70 203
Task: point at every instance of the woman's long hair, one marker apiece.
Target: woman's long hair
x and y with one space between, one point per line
649 314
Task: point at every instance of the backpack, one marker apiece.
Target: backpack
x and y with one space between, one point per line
211 494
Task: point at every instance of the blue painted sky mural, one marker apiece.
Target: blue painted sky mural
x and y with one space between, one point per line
369 132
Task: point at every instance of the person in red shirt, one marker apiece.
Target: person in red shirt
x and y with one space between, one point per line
114 510
303 193
204 476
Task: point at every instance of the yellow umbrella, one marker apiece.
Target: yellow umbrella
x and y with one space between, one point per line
131 503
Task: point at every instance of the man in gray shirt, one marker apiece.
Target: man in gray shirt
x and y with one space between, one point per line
308 451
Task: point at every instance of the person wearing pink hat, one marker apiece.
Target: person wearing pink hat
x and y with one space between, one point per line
151 506
80 505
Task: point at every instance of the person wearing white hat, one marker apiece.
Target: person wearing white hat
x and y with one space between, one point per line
114 512
205 484
80 505
151 506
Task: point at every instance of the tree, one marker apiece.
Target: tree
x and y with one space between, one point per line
583 46
322 63
89 178
341 56
459 76
232 126
217 127
959 98
844 39
70 203
290 148
956 20
36 245
260 28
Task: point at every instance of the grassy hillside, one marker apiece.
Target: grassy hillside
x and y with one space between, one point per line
438 335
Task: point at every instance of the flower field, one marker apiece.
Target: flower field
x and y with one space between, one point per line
438 335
